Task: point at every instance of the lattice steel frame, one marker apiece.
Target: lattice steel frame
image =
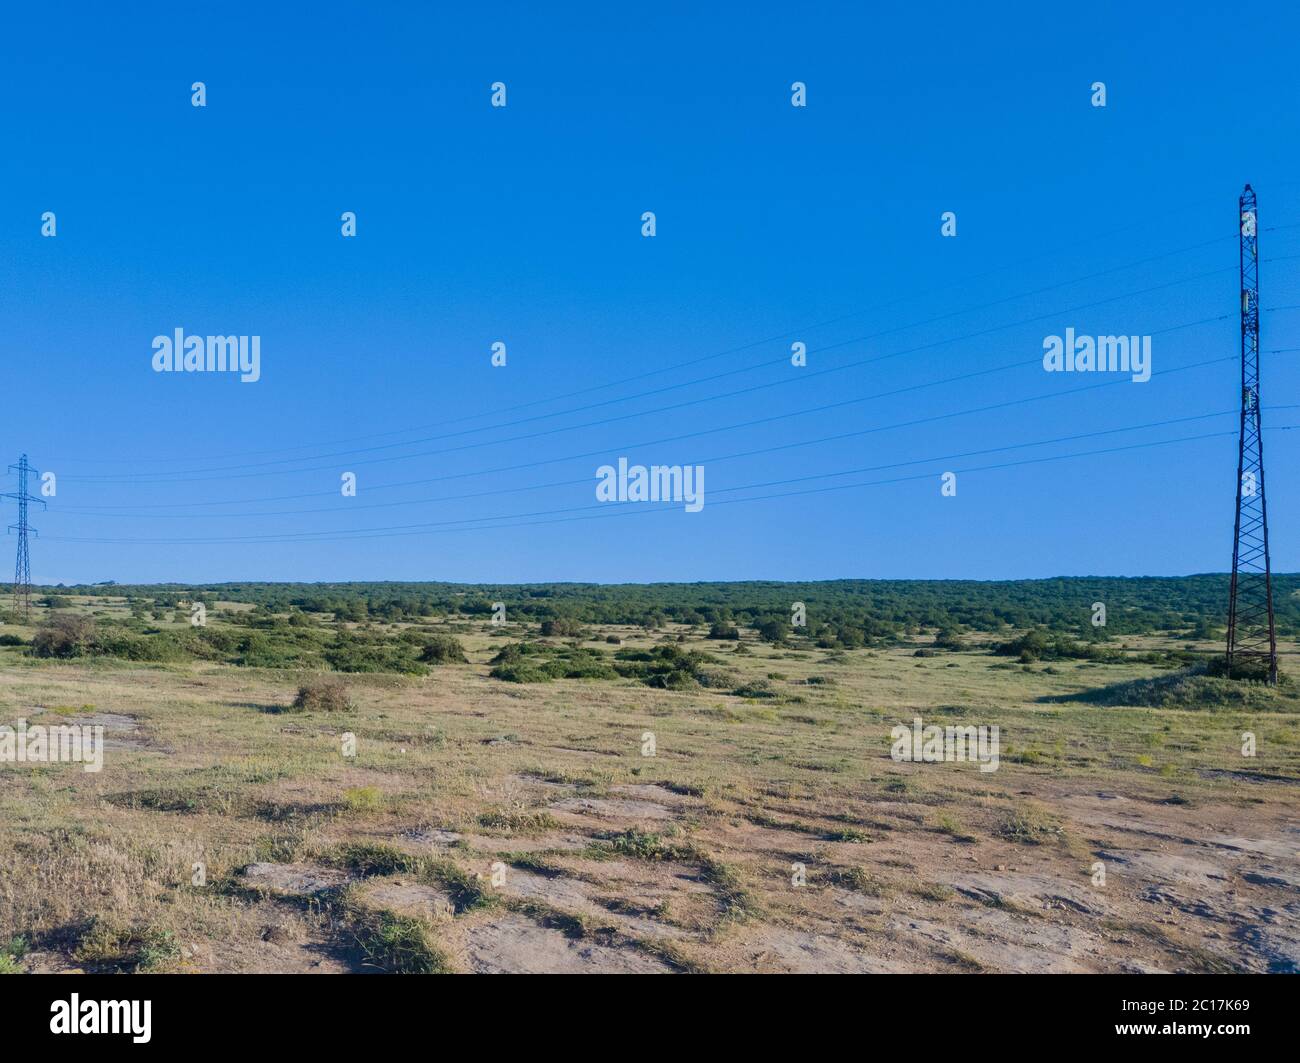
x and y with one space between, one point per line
1252 638
23 564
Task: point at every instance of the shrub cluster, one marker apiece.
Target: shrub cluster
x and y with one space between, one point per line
563 627
670 668
325 694
530 662
443 649
1040 645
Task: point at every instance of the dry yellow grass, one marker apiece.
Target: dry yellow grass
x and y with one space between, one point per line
763 834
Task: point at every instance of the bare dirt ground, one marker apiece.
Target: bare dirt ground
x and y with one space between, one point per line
485 826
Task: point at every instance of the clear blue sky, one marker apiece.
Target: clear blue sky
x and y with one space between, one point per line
775 224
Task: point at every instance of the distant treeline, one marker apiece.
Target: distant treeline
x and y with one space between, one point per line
840 612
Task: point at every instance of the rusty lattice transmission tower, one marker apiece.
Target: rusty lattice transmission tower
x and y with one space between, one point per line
23 566
1252 638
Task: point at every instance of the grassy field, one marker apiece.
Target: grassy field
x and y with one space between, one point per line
757 823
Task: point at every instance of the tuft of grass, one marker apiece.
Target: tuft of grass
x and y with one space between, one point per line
213 800
517 821
536 862
70 710
571 924
396 944
1030 756
467 891
107 944
964 960
372 858
322 695
363 799
846 834
1030 825
672 954
11 952
735 902
949 825
933 891
646 845
859 880
279 848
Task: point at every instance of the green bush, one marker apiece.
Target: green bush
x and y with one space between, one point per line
357 652
948 639
562 627
1040 645
675 680
129 647
1248 669
668 667
527 662
1193 689
443 649
64 637
520 673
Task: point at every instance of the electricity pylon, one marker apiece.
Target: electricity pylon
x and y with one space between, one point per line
23 566
1252 638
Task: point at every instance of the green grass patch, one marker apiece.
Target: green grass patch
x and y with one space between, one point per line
105 944
370 858
396 944
517 821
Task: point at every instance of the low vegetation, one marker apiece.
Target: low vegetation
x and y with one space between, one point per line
677 774
322 695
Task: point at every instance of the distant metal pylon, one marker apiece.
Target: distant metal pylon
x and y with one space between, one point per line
1252 637
23 565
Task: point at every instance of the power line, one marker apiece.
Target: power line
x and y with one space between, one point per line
706 461
201 475
758 343
604 450
398 531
